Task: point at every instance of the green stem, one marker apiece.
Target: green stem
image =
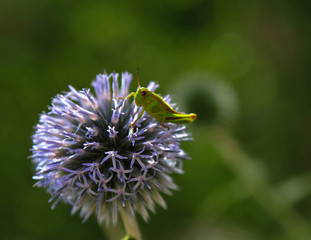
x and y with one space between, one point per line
113 231
130 224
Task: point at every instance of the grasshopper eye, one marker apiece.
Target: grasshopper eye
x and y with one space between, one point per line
143 93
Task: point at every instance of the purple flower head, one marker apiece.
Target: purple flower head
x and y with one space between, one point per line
87 154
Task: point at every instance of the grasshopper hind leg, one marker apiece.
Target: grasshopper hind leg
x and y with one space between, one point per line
139 117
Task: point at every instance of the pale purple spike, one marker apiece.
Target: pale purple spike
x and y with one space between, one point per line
113 155
115 86
92 145
141 180
135 136
152 86
121 172
91 132
126 79
91 100
120 193
112 132
116 111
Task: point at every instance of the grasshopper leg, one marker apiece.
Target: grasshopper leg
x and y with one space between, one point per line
139 117
164 125
162 122
127 97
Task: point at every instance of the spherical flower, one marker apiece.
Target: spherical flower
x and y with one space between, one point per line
87 153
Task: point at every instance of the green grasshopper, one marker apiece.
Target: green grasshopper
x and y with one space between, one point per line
157 108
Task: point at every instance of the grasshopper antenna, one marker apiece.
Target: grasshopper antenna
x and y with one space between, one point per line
138 77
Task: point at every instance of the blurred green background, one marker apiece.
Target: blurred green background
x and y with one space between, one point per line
249 177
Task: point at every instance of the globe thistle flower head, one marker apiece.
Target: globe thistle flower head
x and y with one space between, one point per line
87 153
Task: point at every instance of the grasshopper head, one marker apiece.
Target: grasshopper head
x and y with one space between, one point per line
141 95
